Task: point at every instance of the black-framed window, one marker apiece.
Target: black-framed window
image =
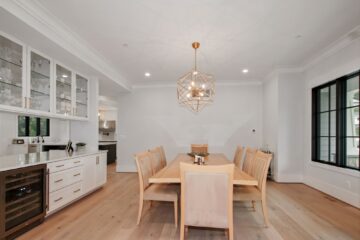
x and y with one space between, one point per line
33 126
335 122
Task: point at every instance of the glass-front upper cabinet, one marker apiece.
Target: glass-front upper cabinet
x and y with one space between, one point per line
64 88
11 73
81 109
39 87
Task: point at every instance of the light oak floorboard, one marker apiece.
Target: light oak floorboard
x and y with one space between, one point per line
296 211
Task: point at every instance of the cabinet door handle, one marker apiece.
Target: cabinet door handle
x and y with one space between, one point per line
97 160
77 162
77 190
78 174
60 165
60 180
29 101
60 198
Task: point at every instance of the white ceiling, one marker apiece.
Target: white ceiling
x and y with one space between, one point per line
254 34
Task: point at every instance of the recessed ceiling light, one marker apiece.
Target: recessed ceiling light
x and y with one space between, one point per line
64 76
147 74
245 70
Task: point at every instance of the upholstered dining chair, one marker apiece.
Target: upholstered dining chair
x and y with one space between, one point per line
207 197
199 148
153 192
249 157
238 156
260 168
157 162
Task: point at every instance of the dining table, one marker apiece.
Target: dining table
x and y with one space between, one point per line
171 173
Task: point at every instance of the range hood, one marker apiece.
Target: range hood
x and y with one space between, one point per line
107 126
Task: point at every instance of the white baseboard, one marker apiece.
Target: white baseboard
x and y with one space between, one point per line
339 193
291 178
125 168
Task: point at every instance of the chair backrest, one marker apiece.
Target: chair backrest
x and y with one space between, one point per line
163 156
207 195
143 163
260 168
199 148
238 156
249 157
156 160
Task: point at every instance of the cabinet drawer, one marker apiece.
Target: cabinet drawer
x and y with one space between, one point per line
58 180
75 191
64 178
75 175
63 196
59 166
76 162
58 199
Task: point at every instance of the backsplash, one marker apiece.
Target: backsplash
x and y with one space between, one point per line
59 131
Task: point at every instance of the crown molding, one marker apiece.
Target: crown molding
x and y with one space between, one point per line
218 84
36 16
331 49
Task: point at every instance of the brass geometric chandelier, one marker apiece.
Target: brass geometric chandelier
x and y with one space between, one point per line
195 89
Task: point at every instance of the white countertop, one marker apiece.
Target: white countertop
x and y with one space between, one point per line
30 159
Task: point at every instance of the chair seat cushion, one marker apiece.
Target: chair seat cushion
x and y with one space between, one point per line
162 192
245 193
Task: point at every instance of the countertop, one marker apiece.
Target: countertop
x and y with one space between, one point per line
24 160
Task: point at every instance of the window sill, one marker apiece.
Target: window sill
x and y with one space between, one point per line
345 171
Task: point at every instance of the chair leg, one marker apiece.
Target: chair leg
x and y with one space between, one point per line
265 211
231 233
141 204
182 232
176 213
253 205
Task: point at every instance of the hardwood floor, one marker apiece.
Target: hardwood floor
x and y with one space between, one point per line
296 211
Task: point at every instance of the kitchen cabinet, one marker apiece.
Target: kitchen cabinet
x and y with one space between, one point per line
71 179
33 83
101 169
12 74
39 82
81 107
64 90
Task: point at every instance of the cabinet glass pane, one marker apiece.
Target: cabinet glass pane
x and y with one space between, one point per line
81 96
63 90
11 66
40 83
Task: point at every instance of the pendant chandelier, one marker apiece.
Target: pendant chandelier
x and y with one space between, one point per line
195 89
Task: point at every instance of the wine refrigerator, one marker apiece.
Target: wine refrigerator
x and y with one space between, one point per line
22 200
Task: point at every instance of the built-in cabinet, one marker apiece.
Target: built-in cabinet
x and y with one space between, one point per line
69 180
31 82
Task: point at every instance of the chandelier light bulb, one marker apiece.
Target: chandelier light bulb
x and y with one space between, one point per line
203 86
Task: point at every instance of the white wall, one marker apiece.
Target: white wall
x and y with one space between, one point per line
270 118
59 132
151 116
283 124
290 127
341 183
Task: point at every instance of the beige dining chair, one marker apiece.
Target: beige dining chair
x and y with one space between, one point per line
199 148
163 156
260 168
153 192
157 162
238 156
207 197
249 157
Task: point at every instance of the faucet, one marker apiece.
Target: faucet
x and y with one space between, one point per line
37 139
42 139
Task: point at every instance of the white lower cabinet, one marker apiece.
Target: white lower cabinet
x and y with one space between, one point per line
70 179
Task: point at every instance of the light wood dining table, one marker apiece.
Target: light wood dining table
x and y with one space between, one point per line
171 173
